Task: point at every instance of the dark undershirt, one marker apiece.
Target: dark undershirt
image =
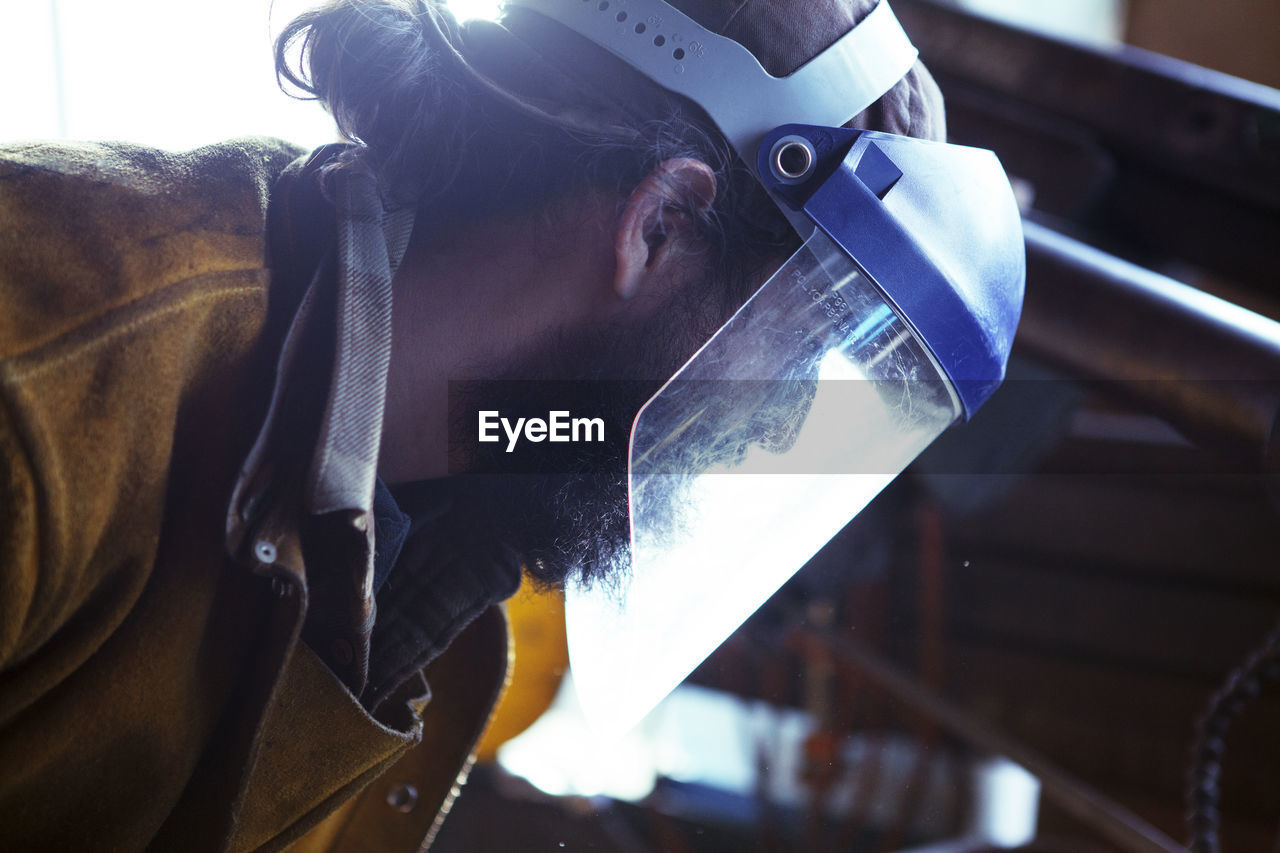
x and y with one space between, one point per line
426 587
391 526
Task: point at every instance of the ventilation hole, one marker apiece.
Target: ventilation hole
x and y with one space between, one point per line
659 41
622 16
678 53
604 4
639 29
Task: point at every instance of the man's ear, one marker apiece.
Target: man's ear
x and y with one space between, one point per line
659 214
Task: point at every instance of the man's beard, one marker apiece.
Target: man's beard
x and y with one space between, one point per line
559 527
562 509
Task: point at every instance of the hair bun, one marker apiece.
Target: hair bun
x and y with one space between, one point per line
376 66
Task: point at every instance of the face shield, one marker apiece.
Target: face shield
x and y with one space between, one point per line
893 319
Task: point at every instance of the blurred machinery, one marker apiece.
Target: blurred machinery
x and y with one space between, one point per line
1076 579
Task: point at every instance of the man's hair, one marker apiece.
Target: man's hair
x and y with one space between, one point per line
468 121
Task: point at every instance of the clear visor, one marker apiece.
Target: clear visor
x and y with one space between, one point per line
811 399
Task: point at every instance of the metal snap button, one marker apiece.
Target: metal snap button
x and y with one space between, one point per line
403 798
265 552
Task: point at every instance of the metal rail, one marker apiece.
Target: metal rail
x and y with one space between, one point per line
1119 825
1210 367
1157 160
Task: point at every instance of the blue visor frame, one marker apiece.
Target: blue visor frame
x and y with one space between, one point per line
935 226
928 235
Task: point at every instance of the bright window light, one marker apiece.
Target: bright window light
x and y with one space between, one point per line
173 75
1091 21
719 741
156 72
561 755
465 10
1006 803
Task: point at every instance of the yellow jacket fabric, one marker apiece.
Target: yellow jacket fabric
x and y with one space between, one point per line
154 693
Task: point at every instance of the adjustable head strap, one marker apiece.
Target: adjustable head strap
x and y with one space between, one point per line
726 80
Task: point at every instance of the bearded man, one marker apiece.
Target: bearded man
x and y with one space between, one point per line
237 530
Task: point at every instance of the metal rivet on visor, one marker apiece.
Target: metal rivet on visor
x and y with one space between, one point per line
791 159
